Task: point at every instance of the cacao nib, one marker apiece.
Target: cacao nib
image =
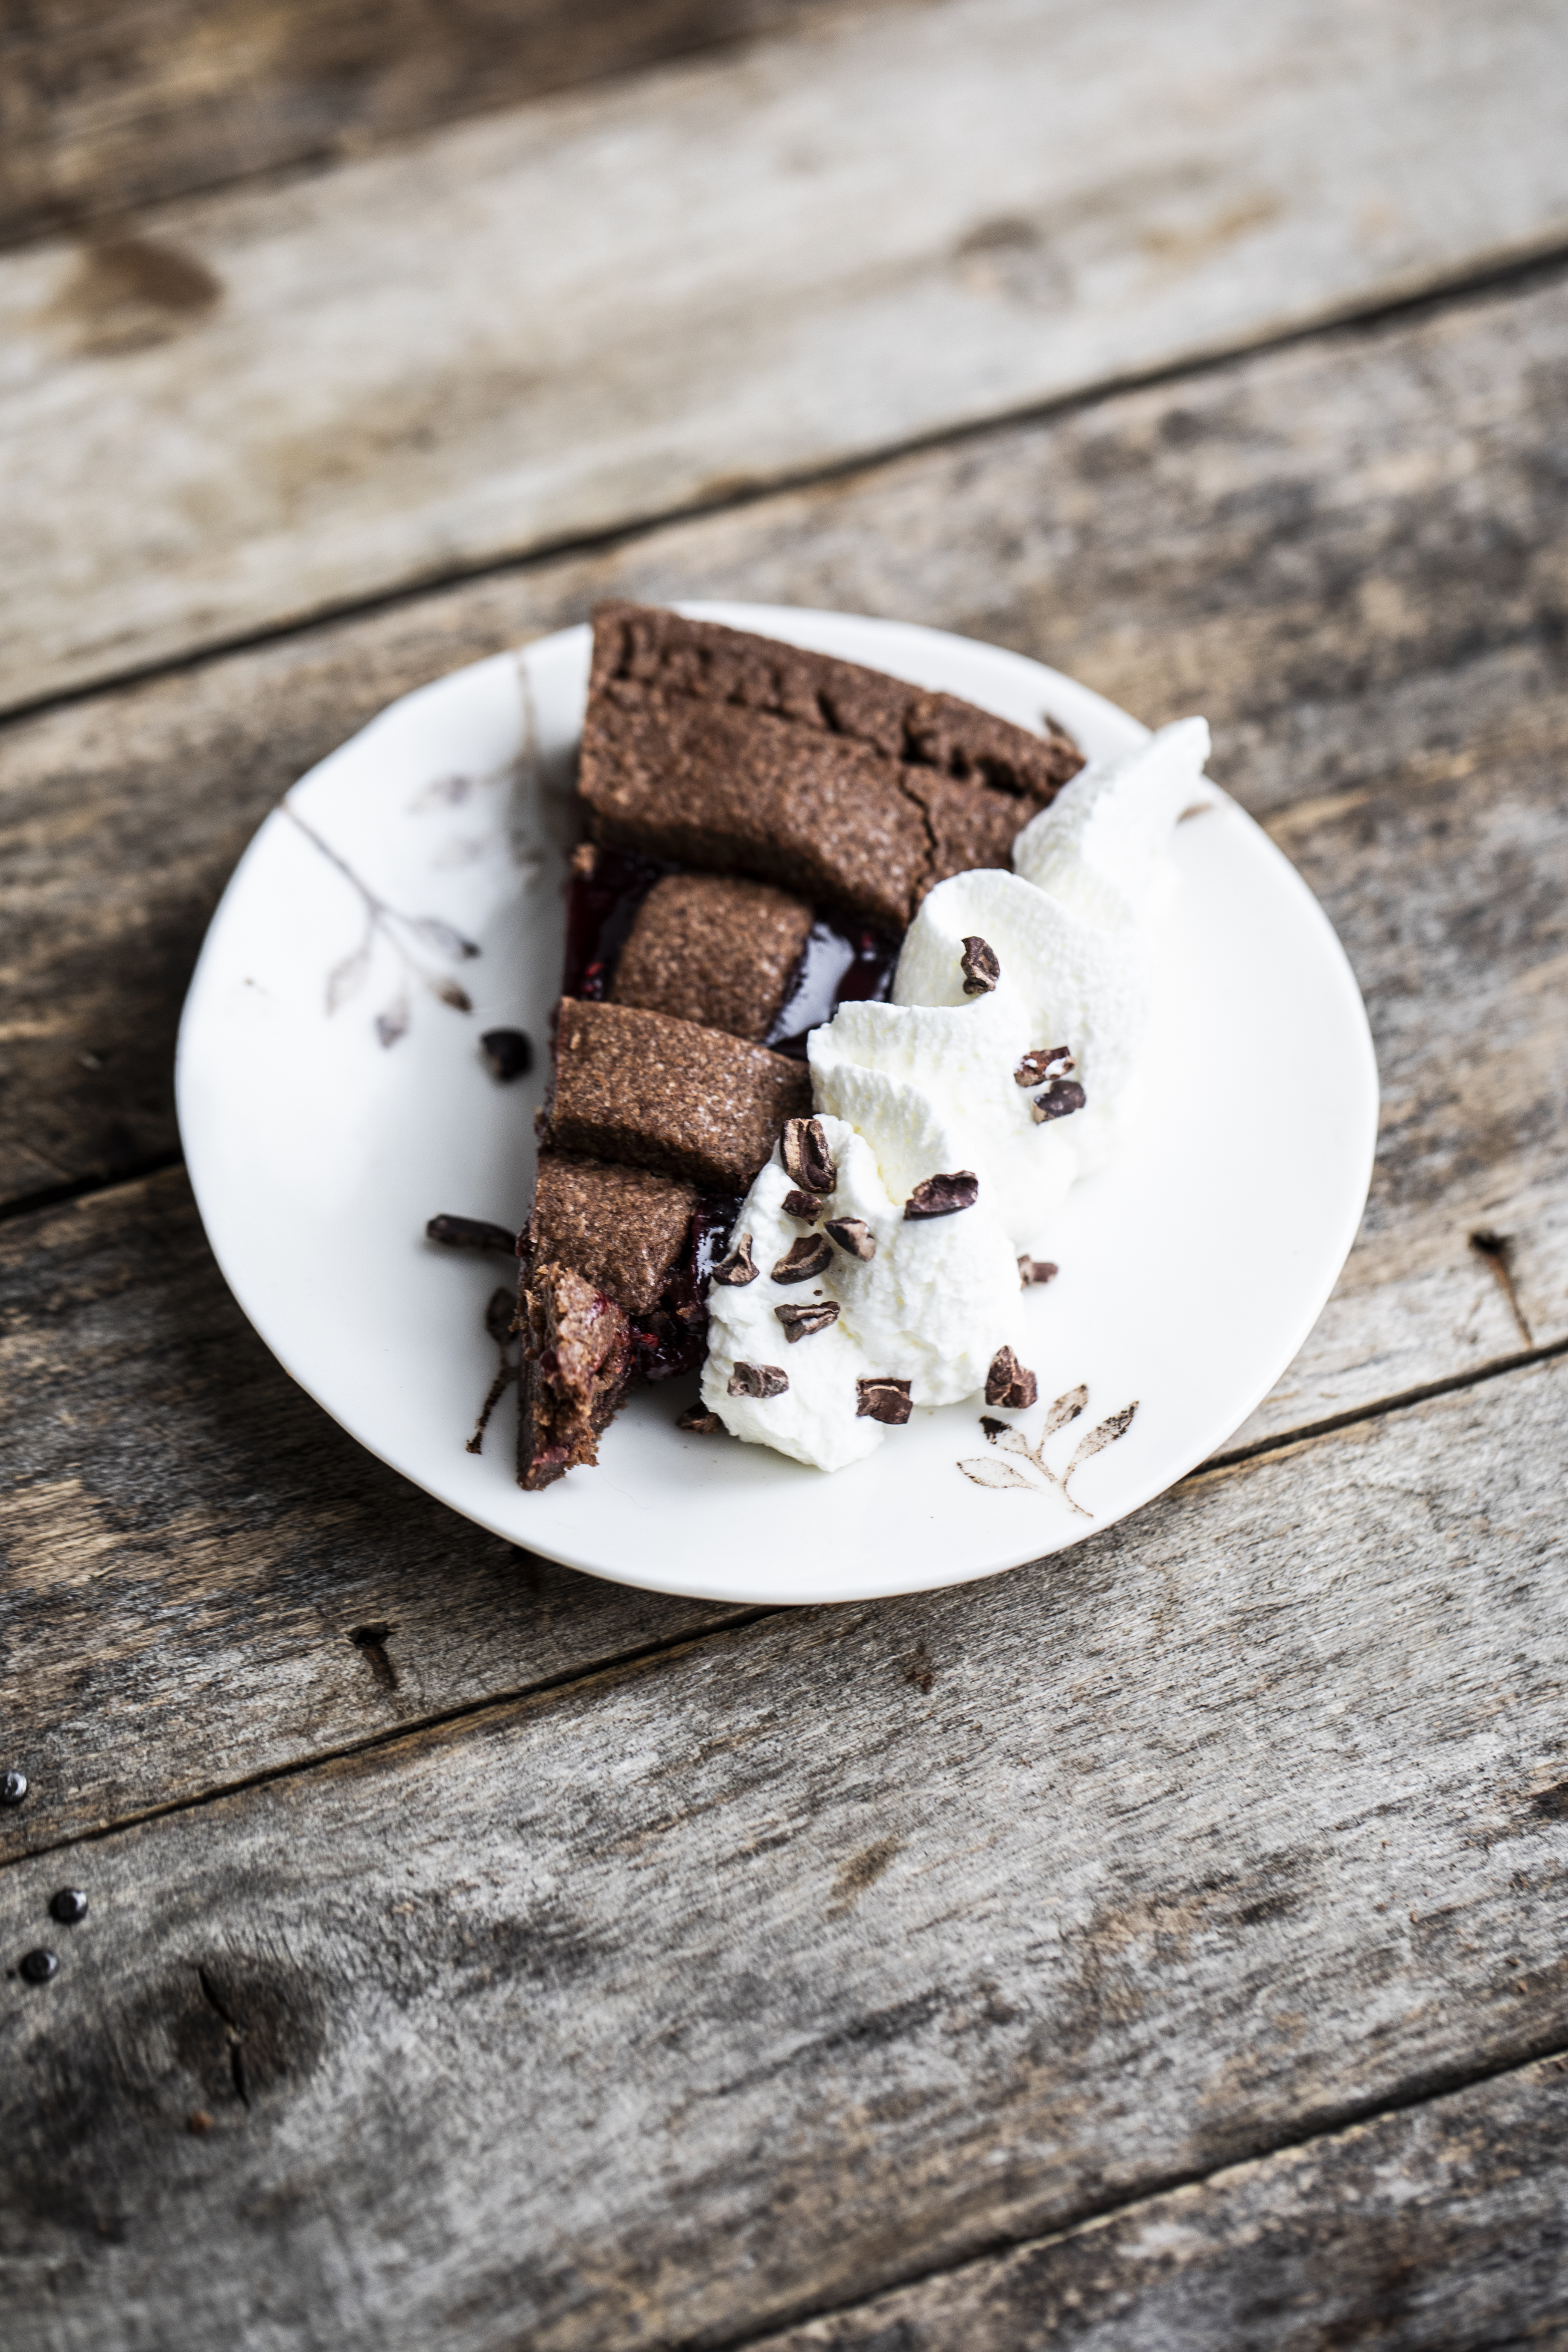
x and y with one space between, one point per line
807 1159
1036 1269
1008 1383
739 1267
802 1205
806 1258
701 1422
943 1196
979 966
883 1399
1061 1098
1041 1063
800 1322
758 1381
508 1053
470 1233
854 1234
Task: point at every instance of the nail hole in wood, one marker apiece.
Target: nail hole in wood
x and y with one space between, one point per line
1496 1251
372 1640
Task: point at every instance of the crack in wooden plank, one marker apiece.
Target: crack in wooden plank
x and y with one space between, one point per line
603 1671
1182 1936
87 1188
1148 2201
409 1731
1517 272
1496 1250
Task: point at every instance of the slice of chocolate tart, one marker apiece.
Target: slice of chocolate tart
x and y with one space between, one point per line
762 824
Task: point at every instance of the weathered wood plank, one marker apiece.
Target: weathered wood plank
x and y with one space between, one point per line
103 109
1350 554
880 224
1441 2230
203 1577
828 1950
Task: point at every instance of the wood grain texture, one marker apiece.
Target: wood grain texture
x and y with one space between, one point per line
201 1575
880 224
106 108
831 1949
1349 553
1435 2231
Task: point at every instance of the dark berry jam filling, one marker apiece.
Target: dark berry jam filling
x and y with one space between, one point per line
843 962
603 895
674 1338
852 964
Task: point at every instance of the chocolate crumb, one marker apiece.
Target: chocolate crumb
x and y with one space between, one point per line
198 2121
802 1205
854 1234
800 1322
993 1427
506 1373
805 1259
470 1233
758 1381
509 1054
1061 1097
807 1159
738 1268
1036 1269
883 1399
1043 1062
701 1422
943 1196
980 967
1009 1383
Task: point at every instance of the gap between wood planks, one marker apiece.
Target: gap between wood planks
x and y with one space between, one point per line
1146 2199
1316 2125
87 1188
1521 273
222 99
633 1661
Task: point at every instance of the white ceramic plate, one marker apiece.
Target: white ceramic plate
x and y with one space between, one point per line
330 1102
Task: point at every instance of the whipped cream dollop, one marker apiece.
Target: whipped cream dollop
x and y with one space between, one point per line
1017 1065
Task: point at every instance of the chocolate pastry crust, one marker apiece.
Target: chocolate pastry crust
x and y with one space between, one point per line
577 1361
622 1229
712 949
716 749
650 646
684 1101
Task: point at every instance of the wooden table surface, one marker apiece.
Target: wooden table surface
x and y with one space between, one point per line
1165 1946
